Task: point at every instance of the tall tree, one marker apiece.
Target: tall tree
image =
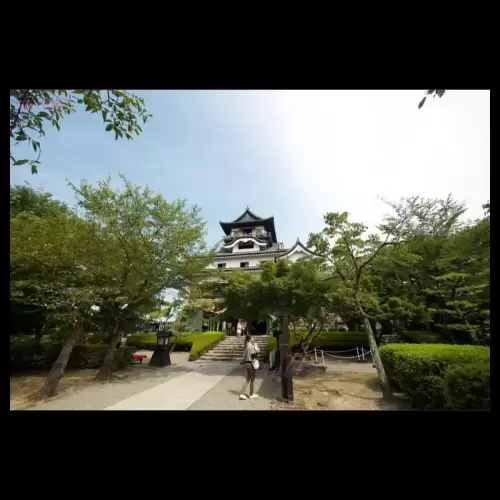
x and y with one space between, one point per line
51 256
31 110
27 317
352 255
150 245
300 291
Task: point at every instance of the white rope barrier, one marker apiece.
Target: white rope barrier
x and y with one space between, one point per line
346 357
347 350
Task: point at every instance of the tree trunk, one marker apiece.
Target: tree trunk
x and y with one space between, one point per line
384 381
56 372
104 372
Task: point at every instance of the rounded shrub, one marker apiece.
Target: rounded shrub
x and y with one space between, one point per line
439 376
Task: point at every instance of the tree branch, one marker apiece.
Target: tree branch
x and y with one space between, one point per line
350 253
21 102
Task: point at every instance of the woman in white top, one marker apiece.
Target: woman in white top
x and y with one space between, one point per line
250 354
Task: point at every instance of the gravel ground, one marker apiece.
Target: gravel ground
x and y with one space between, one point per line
340 365
225 395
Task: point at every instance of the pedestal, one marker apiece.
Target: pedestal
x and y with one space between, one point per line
160 358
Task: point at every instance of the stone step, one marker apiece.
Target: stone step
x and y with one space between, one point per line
229 348
240 342
232 348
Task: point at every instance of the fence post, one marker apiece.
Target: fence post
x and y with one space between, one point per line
315 356
357 352
323 358
363 353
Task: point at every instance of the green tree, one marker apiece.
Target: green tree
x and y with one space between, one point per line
26 317
27 199
31 110
299 291
239 295
147 246
459 290
352 255
51 257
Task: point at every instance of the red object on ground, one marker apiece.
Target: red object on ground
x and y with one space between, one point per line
94 341
139 357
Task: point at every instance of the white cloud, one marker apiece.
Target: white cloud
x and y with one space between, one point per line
343 150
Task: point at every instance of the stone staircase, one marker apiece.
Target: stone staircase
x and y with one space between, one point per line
231 349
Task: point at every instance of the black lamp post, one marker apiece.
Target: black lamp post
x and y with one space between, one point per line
161 354
286 362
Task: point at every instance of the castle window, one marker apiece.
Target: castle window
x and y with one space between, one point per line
221 266
244 264
245 245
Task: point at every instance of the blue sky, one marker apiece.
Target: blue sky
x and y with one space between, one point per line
291 154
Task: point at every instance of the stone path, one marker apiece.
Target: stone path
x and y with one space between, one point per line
101 396
184 385
225 395
177 393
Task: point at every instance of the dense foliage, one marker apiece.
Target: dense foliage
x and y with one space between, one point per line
104 263
425 270
437 376
30 355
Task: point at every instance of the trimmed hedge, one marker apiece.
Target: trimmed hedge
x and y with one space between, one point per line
26 356
440 376
196 343
147 341
204 342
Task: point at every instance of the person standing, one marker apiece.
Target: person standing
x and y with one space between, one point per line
250 363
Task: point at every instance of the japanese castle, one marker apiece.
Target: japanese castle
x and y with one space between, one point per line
250 241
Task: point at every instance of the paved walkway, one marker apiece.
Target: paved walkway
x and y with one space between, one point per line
225 394
201 385
177 393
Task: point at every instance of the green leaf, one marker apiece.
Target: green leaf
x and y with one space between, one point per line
34 170
104 115
21 138
21 162
109 127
